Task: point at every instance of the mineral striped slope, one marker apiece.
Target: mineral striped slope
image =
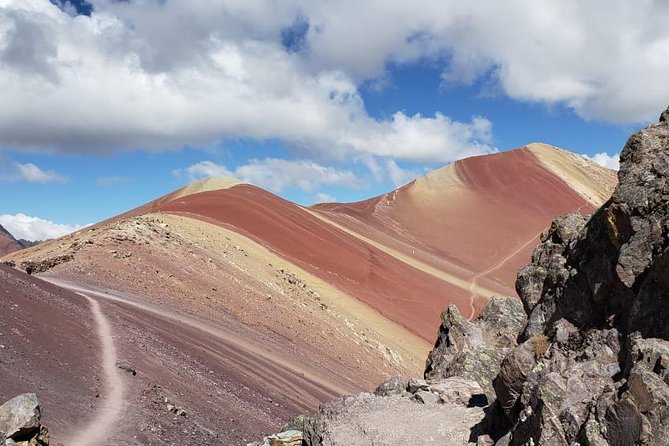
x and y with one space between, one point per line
243 308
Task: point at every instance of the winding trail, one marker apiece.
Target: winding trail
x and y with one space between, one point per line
97 430
265 361
473 286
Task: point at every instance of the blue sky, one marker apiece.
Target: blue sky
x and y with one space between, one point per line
108 105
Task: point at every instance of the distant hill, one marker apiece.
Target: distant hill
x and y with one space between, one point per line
8 243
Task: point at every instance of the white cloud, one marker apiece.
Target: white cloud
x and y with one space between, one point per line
12 171
185 74
606 160
22 226
398 175
277 175
322 197
604 63
205 169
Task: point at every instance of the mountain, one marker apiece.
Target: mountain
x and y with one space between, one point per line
478 219
8 243
27 243
243 309
581 358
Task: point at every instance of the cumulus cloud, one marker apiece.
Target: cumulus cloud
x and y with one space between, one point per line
277 175
22 226
185 74
13 171
205 169
606 160
398 175
607 64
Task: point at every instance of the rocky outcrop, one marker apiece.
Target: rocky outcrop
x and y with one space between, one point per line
286 438
593 360
20 422
451 405
475 350
40 266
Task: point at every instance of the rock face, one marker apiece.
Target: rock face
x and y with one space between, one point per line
20 422
474 350
593 364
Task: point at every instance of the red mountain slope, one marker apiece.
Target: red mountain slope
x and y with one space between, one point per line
479 218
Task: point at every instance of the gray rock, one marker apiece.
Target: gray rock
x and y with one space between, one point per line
414 385
474 350
425 397
127 367
513 372
286 438
367 420
664 117
460 391
485 440
395 385
20 416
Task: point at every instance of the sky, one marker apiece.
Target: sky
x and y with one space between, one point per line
108 104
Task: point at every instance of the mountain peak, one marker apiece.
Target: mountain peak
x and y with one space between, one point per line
206 185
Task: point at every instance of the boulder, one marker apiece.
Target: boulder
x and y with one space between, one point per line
291 437
20 416
395 385
286 438
460 391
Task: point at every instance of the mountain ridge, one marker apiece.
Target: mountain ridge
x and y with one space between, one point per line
308 286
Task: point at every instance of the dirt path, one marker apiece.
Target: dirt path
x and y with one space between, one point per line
473 285
97 430
265 360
